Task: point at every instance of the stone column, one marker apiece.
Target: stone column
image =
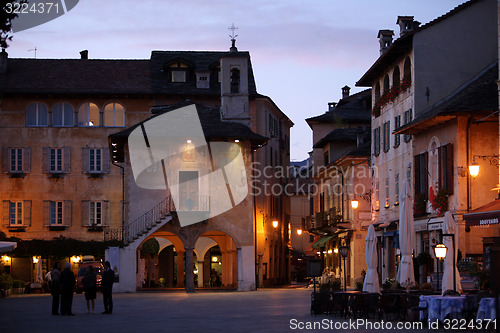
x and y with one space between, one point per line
261 271
200 273
189 270
246 268
180 269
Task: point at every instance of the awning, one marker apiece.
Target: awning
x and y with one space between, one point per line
7 246
484 215
321 242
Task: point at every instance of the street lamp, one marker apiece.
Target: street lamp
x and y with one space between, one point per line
440 252
344 250
454 260
474 168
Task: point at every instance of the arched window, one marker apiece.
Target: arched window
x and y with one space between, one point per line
235 80
63 115
37 114
407 68
396 77
386 84
377 91
88 115
114 115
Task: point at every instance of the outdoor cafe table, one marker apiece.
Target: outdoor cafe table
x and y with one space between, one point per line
438 307
486 309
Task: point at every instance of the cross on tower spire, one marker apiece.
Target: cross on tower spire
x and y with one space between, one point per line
233 38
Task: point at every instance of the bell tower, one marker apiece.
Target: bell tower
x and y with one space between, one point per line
234 83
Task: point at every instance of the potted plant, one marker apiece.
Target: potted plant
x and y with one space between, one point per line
18 286
440 201
6 284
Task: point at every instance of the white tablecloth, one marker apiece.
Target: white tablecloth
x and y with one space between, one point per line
438 307
486 309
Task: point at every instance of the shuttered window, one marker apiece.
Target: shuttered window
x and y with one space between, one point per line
446 168
421 174
56 160
16 213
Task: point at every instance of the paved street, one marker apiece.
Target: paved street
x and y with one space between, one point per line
268 310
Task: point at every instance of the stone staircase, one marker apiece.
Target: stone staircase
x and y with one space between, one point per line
152 219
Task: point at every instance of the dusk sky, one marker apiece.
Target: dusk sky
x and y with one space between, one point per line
302 52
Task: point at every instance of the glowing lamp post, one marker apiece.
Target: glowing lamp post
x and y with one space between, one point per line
344 251
440 252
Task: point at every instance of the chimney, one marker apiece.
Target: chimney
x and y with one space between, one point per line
331 106
84 54
345 91
406 24
385 39
3 61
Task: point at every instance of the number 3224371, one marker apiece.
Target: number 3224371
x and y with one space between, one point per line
35 8
463 324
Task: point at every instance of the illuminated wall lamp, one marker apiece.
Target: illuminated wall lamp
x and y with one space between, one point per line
275 223
474 168
354 204
299 232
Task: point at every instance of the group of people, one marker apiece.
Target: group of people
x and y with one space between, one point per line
62 286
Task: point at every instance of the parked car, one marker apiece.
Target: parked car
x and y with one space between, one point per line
98 269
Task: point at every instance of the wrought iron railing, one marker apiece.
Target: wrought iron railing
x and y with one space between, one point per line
147 221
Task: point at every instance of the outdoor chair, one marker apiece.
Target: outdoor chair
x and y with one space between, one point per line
415 307
470 308
372 304
315 304
357 305
320 302
340 304
393 304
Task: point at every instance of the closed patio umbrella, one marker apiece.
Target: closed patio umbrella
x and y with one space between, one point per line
405 276
39 274
449 227
371 283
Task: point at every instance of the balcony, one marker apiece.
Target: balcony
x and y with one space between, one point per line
196 203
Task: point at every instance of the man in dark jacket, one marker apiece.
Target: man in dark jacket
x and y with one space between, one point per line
108 277
67 287
55 288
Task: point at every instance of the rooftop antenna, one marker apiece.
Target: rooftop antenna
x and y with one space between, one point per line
233 38
33 50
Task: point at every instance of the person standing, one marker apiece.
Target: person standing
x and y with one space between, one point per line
108 277
90 287
67 287
55 288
